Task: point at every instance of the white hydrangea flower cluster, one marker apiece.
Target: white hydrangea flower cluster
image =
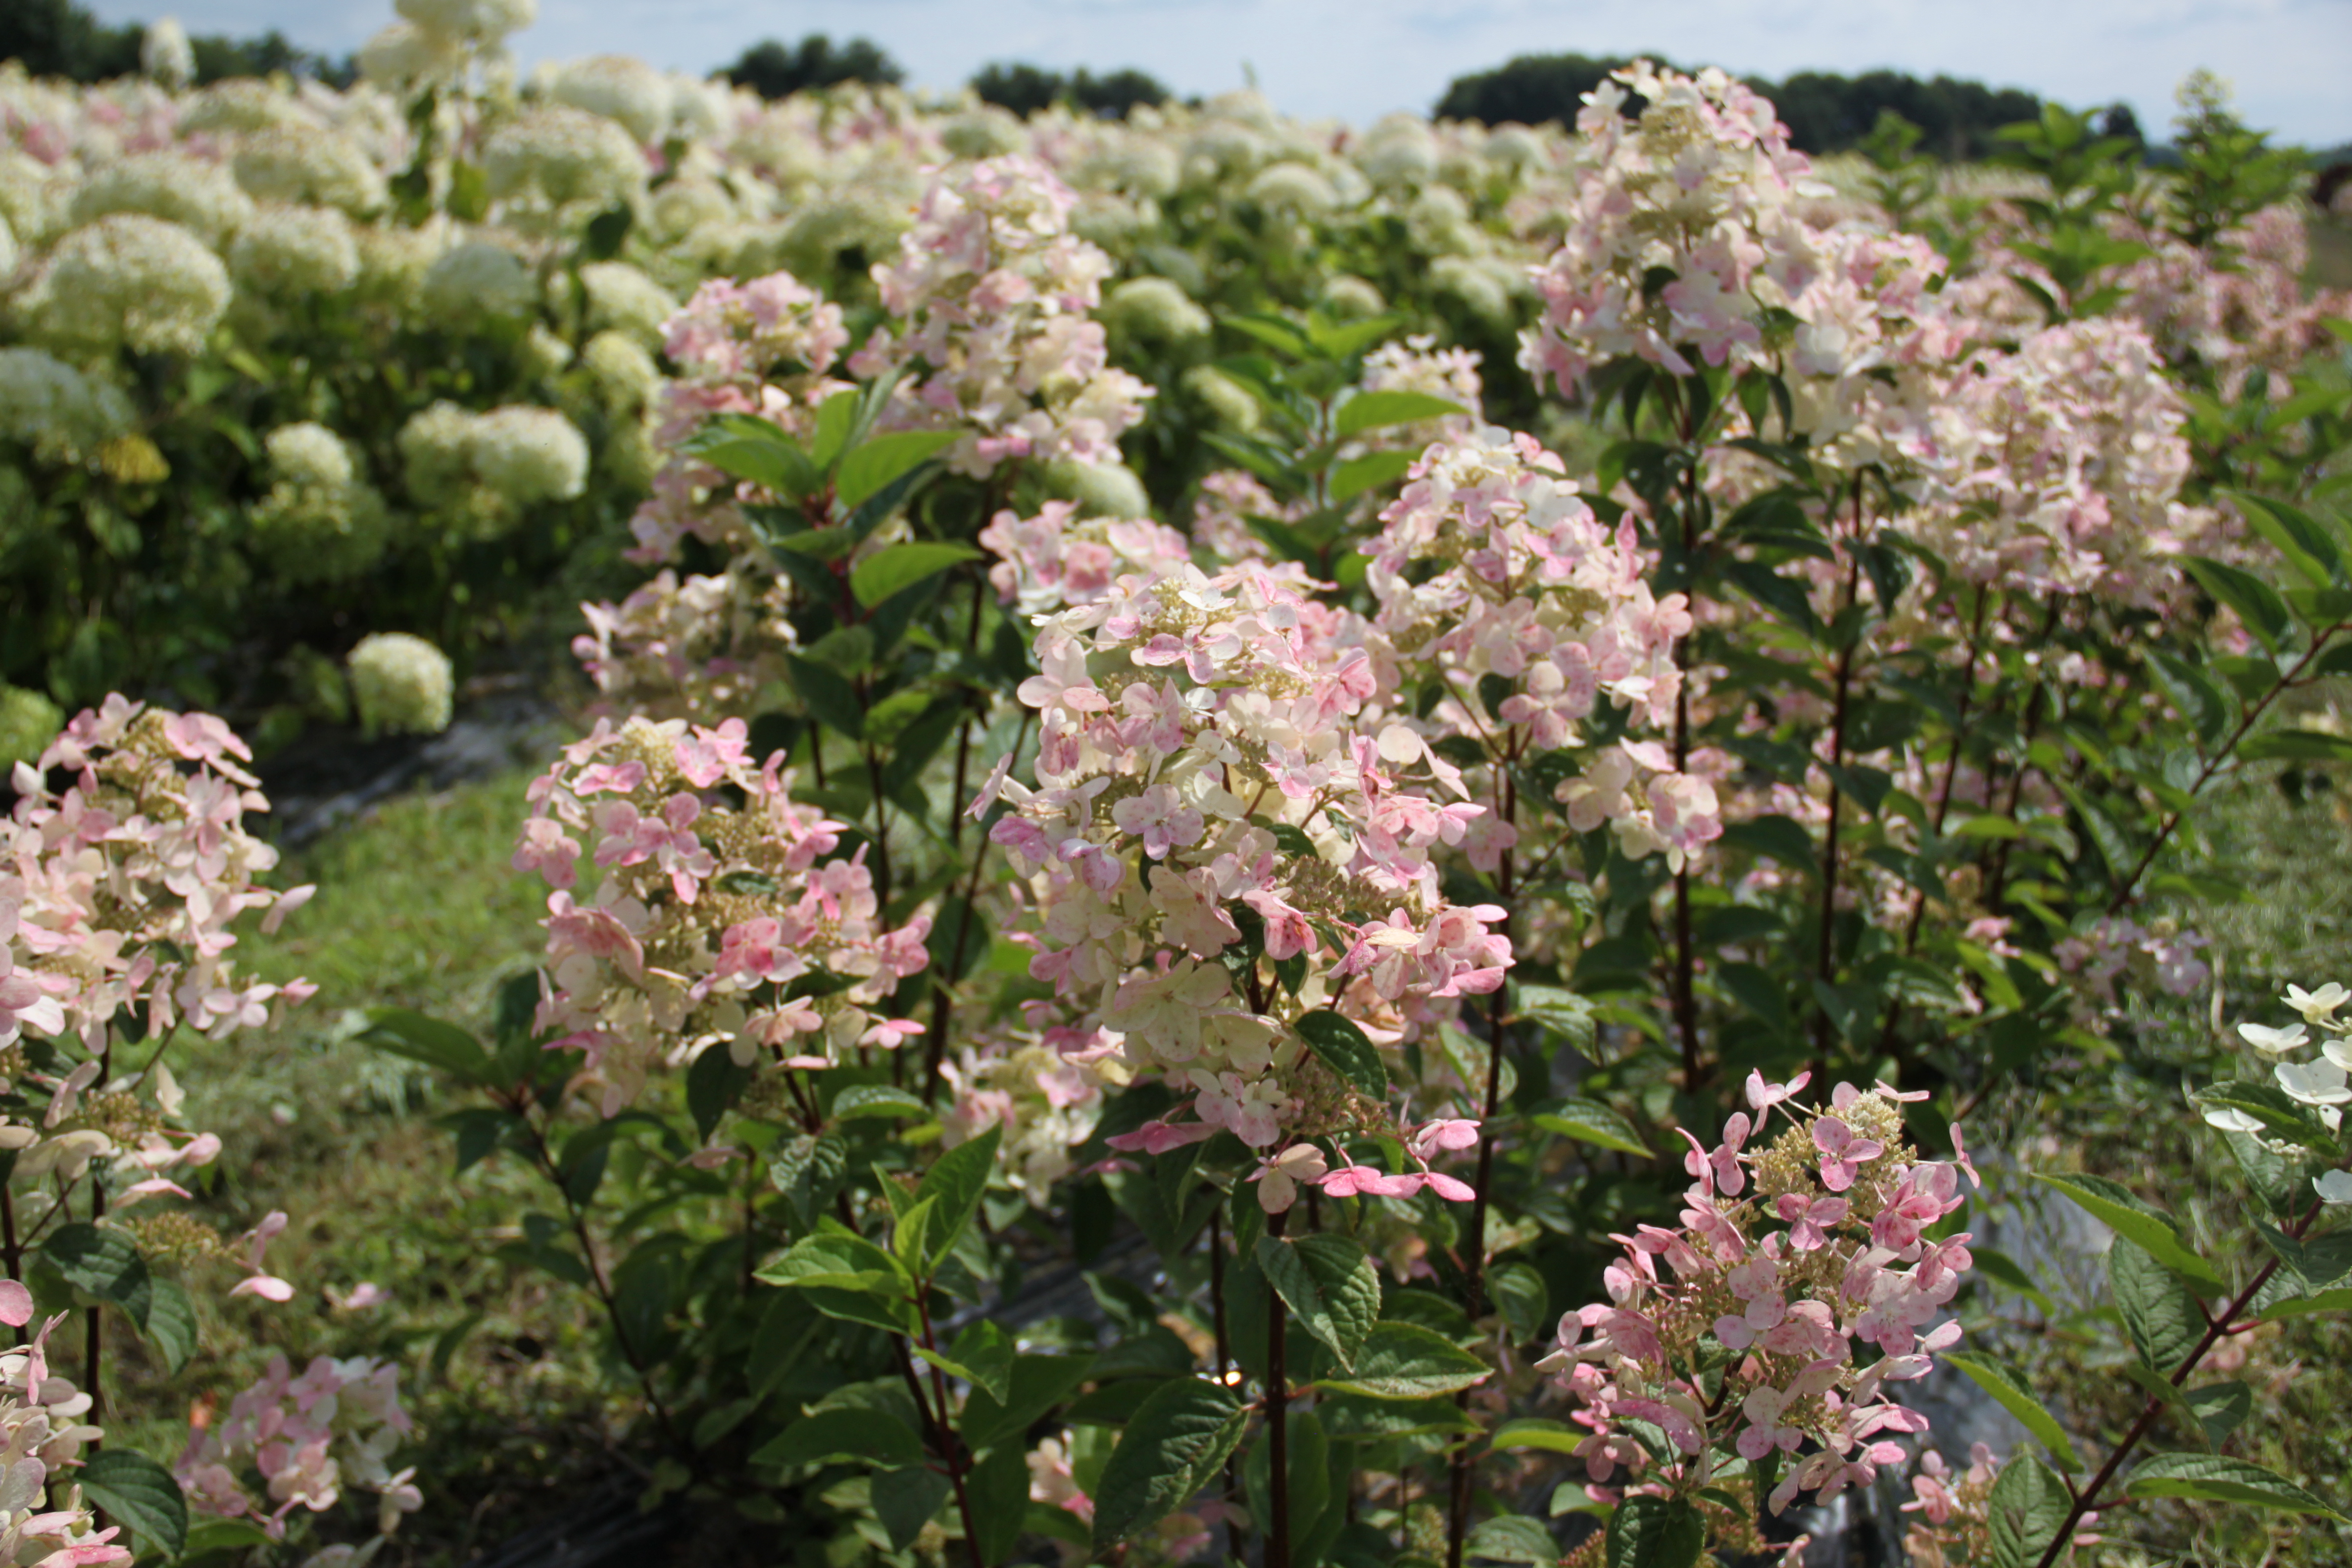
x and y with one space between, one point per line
321 521
552 160
2322 1085
481 471
401 683
129 281
198 193
311 167
288 253
28 722
622 298
475 284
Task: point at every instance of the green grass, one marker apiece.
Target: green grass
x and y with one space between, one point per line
416 908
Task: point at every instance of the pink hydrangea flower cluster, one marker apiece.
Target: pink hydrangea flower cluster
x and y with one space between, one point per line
1687 239
118 896
1809 1259
43 1520
1204 763
701 647
714 926
1491 563
1229 497
1699 190
2057 468
309 1438
1058 559
2240 309
992 291
762 349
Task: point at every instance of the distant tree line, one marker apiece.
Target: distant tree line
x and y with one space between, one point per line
775 70
1824 111
62 38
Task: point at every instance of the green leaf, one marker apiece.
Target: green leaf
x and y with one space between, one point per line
1654 1532
886 572
834 417
1374 410
397 1031
2003 1270
1331 1285
2256 602
2310 546
208 1537
171 1323
1038 1384
830 700
875 463
2220 1408
2297 746
983 1357
866 1436
2028 1508
956 1180
1405 1360
1341 1046
713 1084
2160 1312
997 1490
141 1496
2215 1477
2010 1393
1785 597
606 232
1589 1121
864 1099
2117 1207
1172 1446
1513 1538
1534 1432
1371 472
905 1500
1559 1009
105 1263
1518 1290
770 458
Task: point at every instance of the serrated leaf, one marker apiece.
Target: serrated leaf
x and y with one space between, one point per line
1518 1291
2010 1393
139 1494
1589 1121
772 461
1038 1384
105 1263
866 1437
876 462
864 1099
905 1500
956 1180
2161 1312
1376 410
2026 1510
2122 1211
170 1326
1331 1285
1405 1360
1512 1538
886 572
1343 1048
2216 1477
2220 1408
1171 1445
1654 1532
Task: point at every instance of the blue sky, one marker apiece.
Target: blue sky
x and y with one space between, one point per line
2291 60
